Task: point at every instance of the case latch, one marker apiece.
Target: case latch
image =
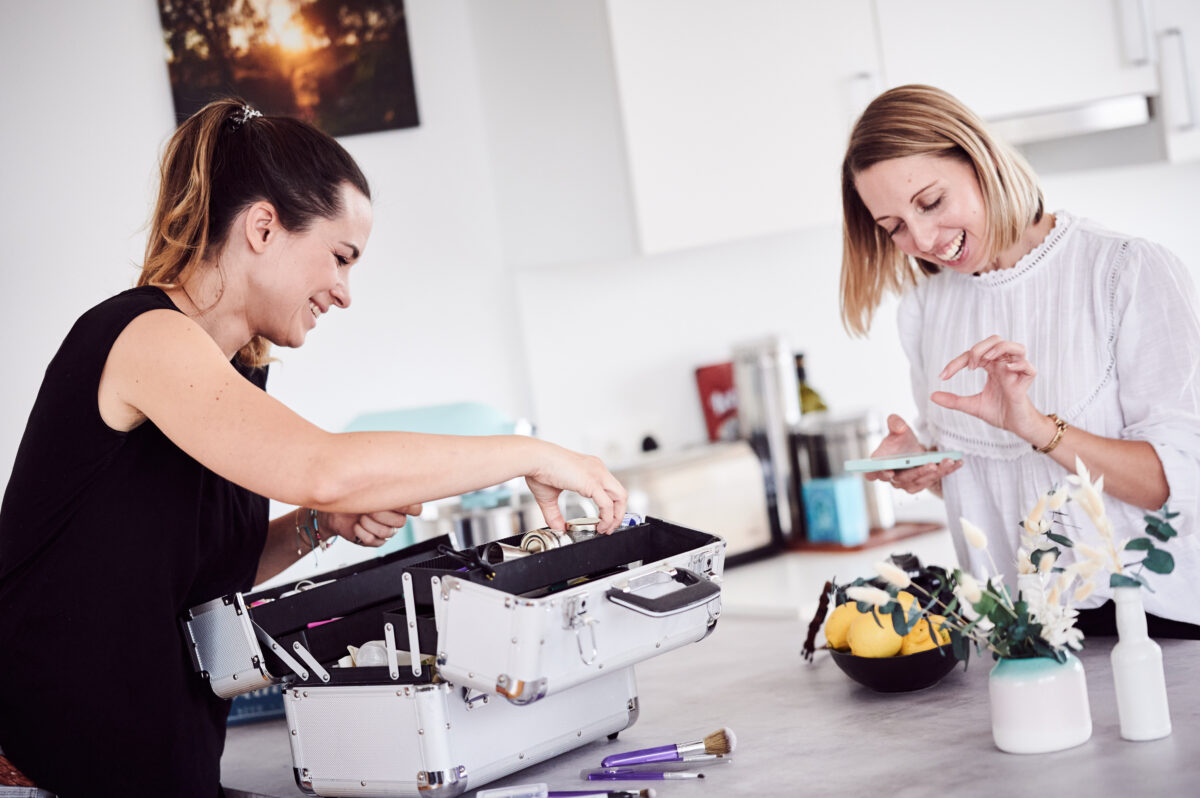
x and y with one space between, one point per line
575 616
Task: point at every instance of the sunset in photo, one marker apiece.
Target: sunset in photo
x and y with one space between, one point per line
343 65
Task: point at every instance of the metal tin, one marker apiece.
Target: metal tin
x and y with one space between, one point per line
497 552
544 539
582 528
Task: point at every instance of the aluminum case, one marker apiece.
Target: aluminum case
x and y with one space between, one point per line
439 739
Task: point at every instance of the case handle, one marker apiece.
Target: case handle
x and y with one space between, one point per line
696 590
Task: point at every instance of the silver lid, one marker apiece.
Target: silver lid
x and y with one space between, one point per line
586 524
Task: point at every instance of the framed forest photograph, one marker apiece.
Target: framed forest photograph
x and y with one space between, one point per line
343 65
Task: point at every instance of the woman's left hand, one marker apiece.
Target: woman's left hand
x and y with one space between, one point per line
367 529
1004 400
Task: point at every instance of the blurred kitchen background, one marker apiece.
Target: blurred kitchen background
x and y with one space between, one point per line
603 196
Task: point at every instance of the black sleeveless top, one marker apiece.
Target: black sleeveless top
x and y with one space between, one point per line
106 537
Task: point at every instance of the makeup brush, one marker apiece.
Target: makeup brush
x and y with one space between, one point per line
644 775
721 741
690 763
646 793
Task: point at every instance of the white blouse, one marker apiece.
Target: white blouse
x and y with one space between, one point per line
1110 323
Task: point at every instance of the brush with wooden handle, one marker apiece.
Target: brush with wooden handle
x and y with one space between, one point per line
719 742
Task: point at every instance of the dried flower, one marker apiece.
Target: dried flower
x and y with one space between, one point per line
893 574
1084 590
1057 497
974 536
1033 521
1060 632
868 595
1047 562
1081 474
1091 553
1024 564
1052 596
970 588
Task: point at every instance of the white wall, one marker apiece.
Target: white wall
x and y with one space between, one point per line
613 346
85 118
597 355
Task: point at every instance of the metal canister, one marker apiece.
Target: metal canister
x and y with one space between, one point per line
497 552
544 539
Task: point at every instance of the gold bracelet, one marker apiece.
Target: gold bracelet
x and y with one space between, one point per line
1062 427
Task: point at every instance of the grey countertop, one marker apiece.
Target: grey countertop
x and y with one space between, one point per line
807 729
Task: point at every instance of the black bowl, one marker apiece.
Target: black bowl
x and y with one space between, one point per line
899 674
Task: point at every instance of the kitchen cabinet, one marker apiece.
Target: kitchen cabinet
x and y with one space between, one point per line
1019 59
626 127
736 113
622 127
1177 31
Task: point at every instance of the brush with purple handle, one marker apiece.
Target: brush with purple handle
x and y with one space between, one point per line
646 793
604 793
689 763
644 775
719 742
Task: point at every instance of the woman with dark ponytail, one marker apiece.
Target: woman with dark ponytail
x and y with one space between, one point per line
141 485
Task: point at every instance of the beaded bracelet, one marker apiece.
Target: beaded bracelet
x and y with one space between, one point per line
310 535
1062 427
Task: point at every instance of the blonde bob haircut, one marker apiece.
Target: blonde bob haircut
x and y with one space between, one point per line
923 120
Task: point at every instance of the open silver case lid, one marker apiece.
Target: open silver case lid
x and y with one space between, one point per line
223 646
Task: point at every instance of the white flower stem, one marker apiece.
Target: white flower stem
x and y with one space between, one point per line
962 621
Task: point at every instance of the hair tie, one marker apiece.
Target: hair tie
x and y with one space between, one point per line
248 113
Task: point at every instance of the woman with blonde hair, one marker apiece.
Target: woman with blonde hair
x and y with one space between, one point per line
942 213
140 488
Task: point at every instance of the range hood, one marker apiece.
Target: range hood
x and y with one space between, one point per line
1100 115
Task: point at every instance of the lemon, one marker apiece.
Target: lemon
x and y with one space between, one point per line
920 639
905 599
871 635
838 624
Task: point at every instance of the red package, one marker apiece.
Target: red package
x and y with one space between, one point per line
718 400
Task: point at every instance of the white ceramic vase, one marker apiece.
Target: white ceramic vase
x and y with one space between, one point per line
1039 705
1138 672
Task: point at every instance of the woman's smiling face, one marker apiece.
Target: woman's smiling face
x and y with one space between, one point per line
309 272
931 207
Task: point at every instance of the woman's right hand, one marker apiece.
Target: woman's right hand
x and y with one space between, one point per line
902 440
562 469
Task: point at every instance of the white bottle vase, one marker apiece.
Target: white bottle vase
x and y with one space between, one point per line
1138 672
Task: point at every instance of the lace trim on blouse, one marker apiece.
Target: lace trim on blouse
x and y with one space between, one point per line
1063 222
